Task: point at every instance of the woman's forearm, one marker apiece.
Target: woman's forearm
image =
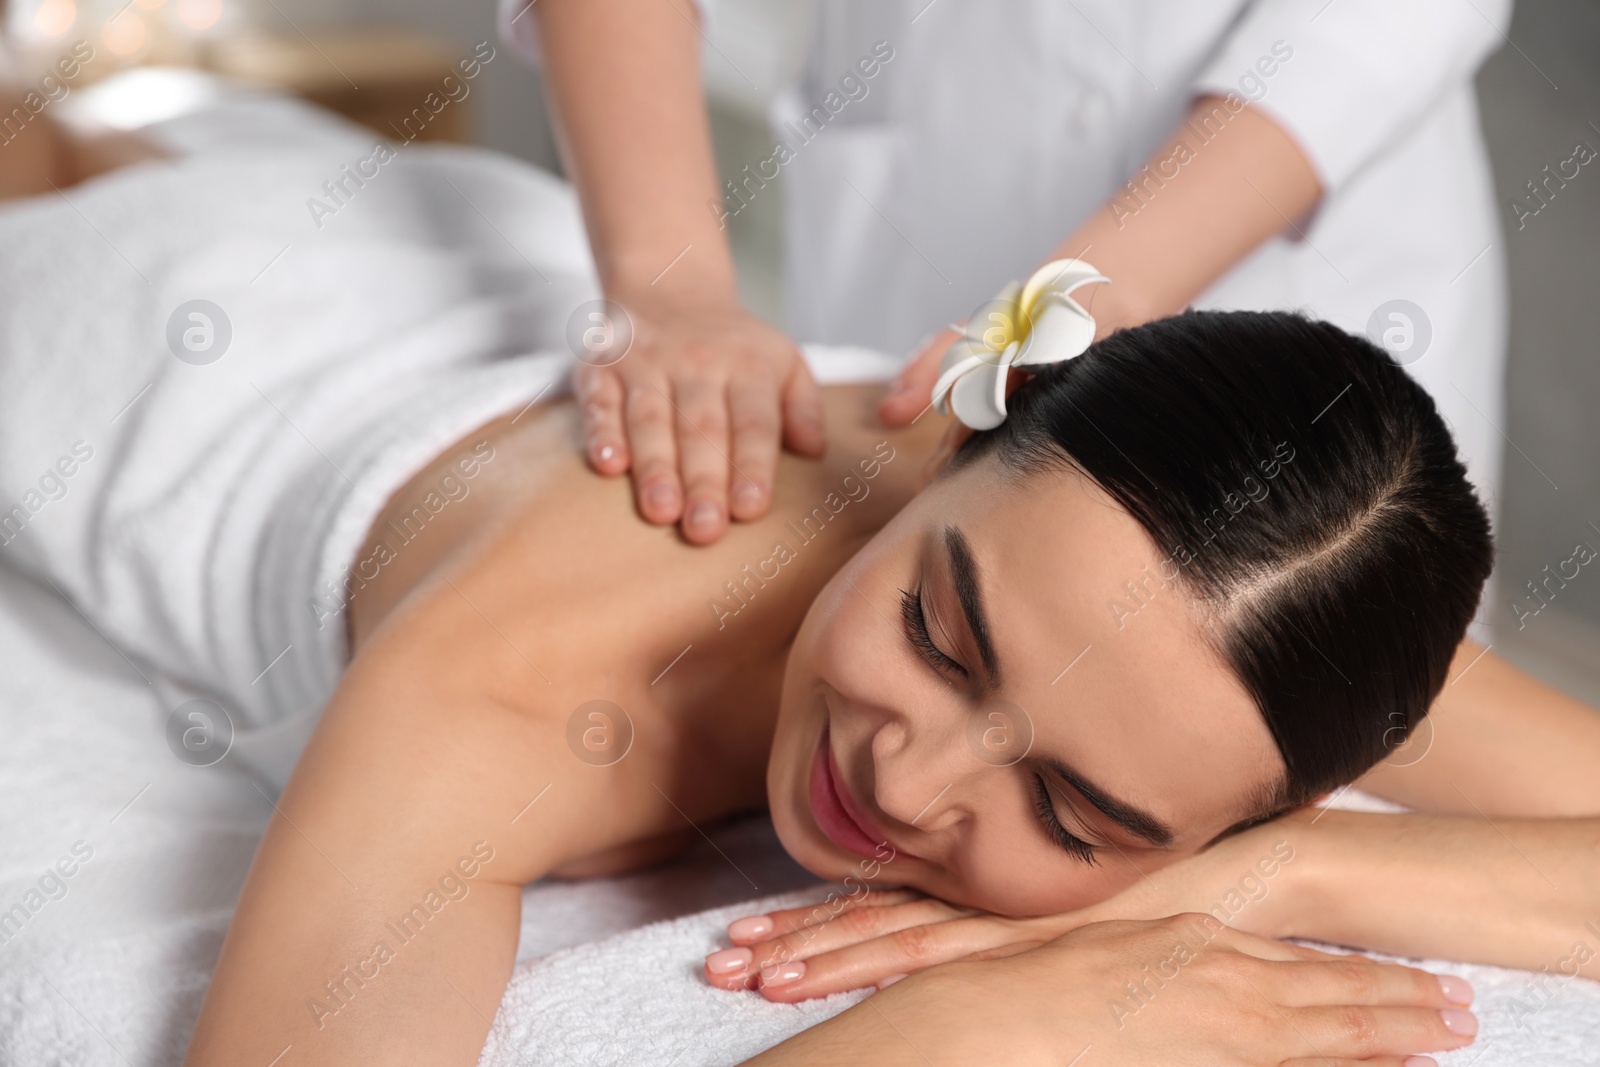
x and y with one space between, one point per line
1222 183
1512 892
624 84
1499 742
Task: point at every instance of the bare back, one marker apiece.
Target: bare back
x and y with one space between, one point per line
477 646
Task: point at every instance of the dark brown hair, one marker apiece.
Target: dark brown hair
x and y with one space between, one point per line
1308 494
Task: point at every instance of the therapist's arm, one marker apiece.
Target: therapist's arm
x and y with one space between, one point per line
707 393
1248 182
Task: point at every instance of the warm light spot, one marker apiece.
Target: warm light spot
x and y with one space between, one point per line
150 5
124 35
54 17
199 15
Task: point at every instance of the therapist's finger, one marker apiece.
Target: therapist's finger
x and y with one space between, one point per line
753 420
652 435
599 394
702 425
802 412
912 390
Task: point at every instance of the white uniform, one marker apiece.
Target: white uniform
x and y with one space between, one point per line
995 128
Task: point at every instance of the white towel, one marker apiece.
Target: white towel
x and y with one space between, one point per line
194 511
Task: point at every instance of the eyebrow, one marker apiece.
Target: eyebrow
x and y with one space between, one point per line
964 569
1134 820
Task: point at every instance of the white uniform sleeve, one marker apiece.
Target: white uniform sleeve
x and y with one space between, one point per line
1348 78
520 31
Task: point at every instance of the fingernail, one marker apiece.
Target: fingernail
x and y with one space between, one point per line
661 496
604 453
1462 1023
896 387
1419 1061
729 960
1456 990
783 975
704 514
747 495
749 928
889 981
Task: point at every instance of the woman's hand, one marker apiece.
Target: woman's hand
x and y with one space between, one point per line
1135 992
696 409
1248 880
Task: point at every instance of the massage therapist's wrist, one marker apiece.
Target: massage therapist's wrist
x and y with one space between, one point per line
1118 306
701 275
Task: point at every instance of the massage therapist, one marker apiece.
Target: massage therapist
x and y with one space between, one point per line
1215 153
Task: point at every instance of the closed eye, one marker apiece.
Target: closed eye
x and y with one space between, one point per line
1074 846
916 627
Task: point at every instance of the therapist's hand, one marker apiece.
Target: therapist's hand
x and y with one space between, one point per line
698 410
911 392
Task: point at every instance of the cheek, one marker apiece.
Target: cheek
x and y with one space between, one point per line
841 647
847 643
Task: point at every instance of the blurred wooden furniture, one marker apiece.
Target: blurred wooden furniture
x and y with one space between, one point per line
379 77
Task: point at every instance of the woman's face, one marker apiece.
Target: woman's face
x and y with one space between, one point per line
1056 729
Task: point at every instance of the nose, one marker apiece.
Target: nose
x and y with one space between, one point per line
920 772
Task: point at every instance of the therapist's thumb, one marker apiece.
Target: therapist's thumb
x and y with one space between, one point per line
912 389
802 412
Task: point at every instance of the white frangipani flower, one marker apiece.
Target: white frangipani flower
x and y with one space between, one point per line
1025 326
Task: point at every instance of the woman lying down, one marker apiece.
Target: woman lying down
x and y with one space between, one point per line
1049 717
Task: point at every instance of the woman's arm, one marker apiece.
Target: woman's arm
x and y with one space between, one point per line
1502 862
1511 892
1163 246
1498 742
705 385
379 920
1134 991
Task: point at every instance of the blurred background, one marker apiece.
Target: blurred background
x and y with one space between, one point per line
1539 97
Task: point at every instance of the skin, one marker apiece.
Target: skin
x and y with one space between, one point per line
626 101
1504 844
1048 1005
441 769
708 393
448 737
1185 744
446 741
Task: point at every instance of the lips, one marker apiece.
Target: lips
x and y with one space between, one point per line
836 812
